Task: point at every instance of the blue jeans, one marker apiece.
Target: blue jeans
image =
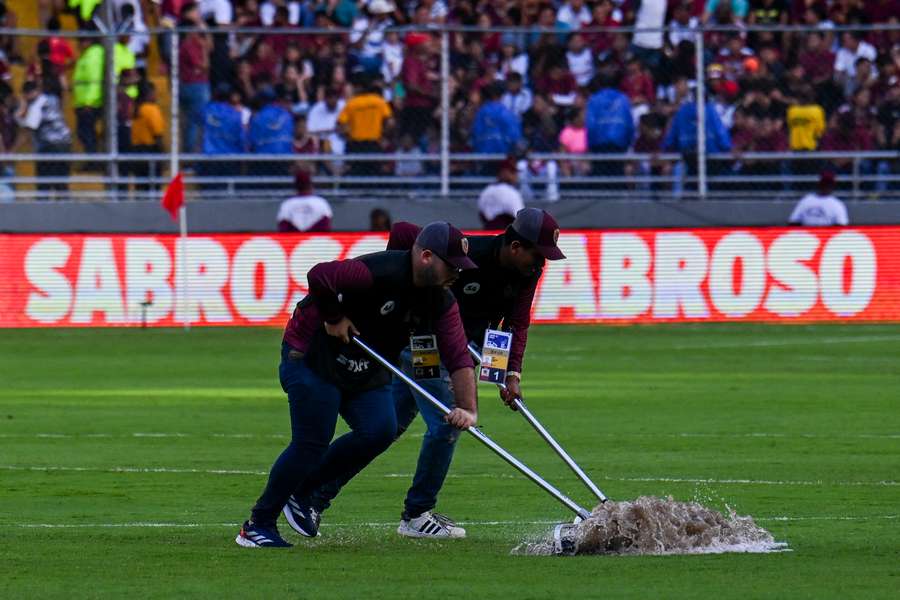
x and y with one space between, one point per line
193 98
309 460
436 453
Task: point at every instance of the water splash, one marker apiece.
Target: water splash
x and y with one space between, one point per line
652 525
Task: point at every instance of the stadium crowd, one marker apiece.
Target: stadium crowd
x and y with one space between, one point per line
556 84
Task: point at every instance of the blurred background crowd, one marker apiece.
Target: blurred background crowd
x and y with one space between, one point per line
271 77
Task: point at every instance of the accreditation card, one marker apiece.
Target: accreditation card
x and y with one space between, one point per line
495 355
426 361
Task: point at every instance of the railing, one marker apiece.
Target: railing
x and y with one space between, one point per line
447 173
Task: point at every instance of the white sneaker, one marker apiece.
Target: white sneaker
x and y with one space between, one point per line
430 525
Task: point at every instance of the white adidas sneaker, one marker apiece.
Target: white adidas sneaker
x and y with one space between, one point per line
430 525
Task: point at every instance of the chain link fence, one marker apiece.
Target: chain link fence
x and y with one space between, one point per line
111 108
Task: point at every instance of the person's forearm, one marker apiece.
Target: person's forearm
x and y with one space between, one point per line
464 391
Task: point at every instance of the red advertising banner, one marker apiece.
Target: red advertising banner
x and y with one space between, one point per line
640 276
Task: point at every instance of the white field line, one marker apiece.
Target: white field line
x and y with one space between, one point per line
51 468
686 434
813 341
151 525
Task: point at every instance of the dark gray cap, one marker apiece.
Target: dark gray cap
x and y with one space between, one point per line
541 229
448 242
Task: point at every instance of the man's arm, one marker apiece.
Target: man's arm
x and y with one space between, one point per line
452 345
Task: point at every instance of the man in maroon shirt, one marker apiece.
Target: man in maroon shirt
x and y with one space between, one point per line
421 87
193 72
384 298
500 290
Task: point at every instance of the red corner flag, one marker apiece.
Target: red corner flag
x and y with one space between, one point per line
173 199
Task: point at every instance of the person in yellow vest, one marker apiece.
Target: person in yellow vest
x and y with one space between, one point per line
84 11
806 124
363 121
87 92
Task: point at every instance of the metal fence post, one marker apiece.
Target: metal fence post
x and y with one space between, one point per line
701 117
112 100
445 112
856 185
174 108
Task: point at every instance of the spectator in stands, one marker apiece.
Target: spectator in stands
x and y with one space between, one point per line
647 45
304 141
61 53
574 14
147 131
865 77
517 97
223 133
410 165
604 15
649 141
193 71
500 201
682 137
42 114
367 35
322 123
806 124
271 131
305 212
496 129
9 43
820 208
87 91
379 220
737 9
512 60
580 60
573 140
888 132
558 84
846 134
853 47
364 121
421 85
610 126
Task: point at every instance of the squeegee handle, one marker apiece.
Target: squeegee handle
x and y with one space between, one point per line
509 458
519 405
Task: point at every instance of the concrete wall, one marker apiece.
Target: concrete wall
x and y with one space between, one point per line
352 215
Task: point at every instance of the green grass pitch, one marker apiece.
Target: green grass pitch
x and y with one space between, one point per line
128 458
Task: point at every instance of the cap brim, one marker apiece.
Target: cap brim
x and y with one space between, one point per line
551 252
462 262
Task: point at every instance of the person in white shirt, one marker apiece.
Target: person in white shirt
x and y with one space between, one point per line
500 201
574 14
821 208
853 47
367 34
304 212
580 60
517 97
648 45
321 122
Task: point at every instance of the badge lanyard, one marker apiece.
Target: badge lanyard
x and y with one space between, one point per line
495 355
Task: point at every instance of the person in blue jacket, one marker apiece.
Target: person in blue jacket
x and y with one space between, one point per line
223 133
682 137
608 120
271 132
496 129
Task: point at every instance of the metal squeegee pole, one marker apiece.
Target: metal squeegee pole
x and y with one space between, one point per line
509 458
542 431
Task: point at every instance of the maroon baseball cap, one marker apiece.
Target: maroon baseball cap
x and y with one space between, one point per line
541 229
448 242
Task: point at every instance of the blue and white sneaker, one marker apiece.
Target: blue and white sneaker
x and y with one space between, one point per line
302 518
259 536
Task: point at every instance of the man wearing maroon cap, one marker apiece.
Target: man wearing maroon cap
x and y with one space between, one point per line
304 211
382 297
499 292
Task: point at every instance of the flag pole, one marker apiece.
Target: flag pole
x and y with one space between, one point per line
173 169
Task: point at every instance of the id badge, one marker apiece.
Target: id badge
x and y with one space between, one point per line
426 362
495 356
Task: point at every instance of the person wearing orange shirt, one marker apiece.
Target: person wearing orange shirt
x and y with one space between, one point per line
147 130
363 122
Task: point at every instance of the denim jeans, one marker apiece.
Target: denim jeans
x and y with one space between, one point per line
436 453
309 460
193 98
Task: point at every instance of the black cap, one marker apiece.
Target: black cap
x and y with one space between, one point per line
447 242
541 229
